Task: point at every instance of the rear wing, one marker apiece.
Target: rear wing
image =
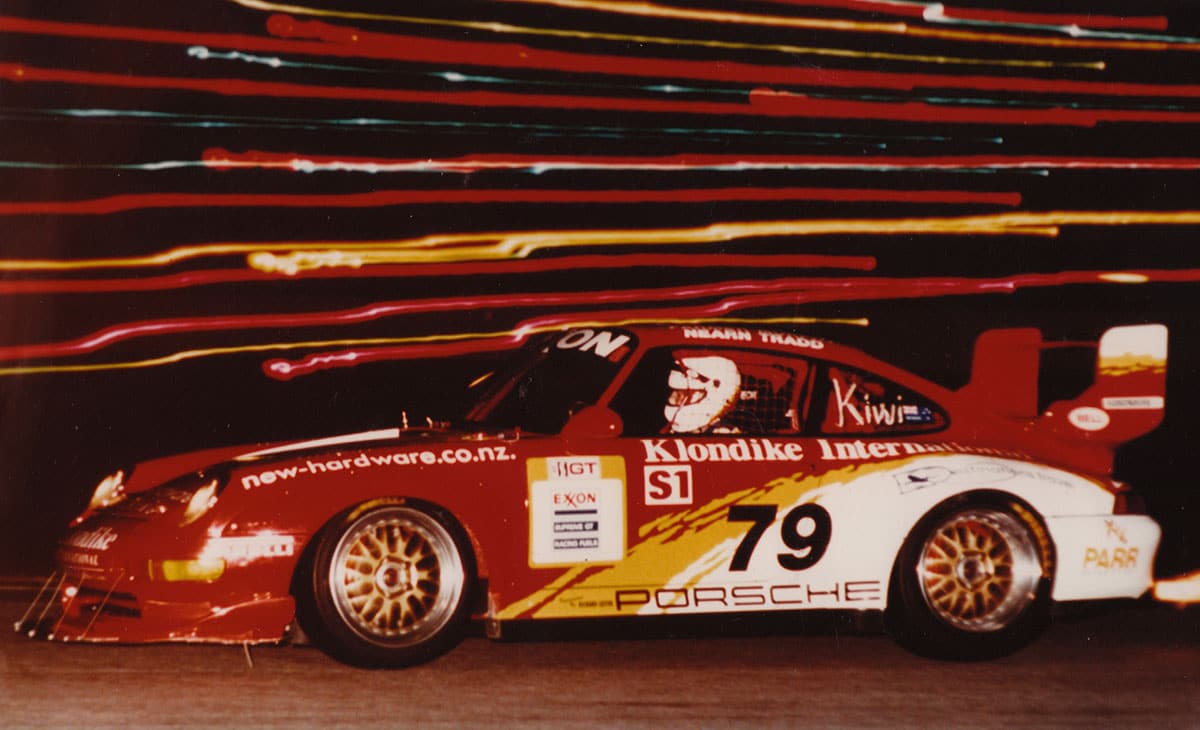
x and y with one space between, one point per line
1126 399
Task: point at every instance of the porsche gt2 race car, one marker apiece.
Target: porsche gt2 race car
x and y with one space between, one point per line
644 471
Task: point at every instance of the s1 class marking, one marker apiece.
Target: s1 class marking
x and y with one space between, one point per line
811 544
668 484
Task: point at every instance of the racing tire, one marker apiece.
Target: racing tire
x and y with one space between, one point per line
390 585
972 581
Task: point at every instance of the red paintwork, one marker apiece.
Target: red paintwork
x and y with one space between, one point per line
251 601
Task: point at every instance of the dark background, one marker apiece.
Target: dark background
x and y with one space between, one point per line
60 433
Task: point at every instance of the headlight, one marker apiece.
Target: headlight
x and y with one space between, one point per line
108 492
202 501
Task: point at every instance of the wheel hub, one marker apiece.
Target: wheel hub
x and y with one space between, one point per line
394 578
974 569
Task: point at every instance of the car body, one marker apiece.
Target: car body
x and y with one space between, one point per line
644 471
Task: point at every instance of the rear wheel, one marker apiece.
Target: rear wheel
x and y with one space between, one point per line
390 585
971 582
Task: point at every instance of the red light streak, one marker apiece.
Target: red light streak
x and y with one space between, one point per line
761 102
807 292
737 295
594 262
349 42
123 203
327 40
190 325
221 159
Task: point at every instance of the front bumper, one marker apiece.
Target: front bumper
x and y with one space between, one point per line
1106 556
105 606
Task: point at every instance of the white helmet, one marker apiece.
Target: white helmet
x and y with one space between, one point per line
702 390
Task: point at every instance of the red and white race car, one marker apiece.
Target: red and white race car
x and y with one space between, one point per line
644 471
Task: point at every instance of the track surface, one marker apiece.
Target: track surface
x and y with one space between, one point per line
1130 666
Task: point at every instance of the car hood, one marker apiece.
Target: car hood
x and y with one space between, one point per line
150 474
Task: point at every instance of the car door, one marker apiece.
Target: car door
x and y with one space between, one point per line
717 471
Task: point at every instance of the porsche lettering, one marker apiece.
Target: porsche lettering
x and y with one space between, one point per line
669 599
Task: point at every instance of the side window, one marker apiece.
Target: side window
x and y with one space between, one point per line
711 391
861 403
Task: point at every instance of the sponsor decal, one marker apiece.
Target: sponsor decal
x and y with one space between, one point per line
668 485
737 334
1103 559
721 598
603 343
861 450
241 550
99 539
1135 349
983 472
781 338
574 467
731 334
1112 530
1087 418
77 557
1134 403
475 455
576 510
851 412
681 451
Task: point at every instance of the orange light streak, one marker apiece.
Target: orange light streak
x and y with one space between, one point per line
1183 589
505 28
285 257
654 10
516 336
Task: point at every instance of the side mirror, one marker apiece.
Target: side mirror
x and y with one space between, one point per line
593 422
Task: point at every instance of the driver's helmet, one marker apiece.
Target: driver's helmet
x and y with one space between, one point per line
702 390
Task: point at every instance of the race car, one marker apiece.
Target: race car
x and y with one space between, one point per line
637 471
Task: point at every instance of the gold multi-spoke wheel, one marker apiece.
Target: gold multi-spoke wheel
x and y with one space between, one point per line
979 569
973 580
395 578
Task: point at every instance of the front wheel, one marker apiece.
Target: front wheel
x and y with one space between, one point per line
971 582
390 585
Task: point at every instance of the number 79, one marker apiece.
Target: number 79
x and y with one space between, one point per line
811 544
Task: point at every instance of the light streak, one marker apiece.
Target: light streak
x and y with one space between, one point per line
789 49
222 159
204 53
941 12
386 198
784 293
280 369
761 102
537 165
205 277
1181 590
470 343
862 289
349 42
110 336
455 247
344 40
1080 38
382 124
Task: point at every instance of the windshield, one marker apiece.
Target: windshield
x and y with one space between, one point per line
558 375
